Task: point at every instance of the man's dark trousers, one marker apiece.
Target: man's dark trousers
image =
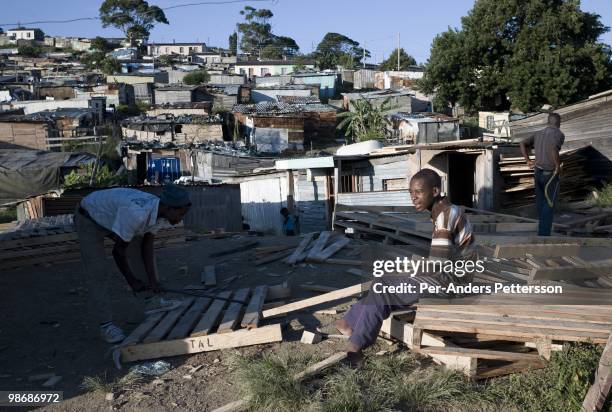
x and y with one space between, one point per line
545 211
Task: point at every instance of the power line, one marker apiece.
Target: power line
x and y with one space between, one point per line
201 3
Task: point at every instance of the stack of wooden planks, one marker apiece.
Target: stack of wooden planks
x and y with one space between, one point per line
202 324
317 247
519 184
44 248
491 340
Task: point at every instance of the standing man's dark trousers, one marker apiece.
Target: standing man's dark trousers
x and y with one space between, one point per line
545 183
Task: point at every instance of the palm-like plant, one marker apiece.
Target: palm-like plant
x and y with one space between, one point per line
366 121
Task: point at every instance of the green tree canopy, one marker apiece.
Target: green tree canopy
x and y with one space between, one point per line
233 44
101 44
520 54
135 18
338 50
390 63
29 51
196 77
257 37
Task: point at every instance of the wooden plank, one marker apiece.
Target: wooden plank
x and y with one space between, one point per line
281 291
273 257
233 312
143 329
520 332
252 314
316 300
162 328
348 262
210 318
186 323
241 248
593 271
510 321
209 277
297 253
331 249
318 288
548 250
598 392
319 244
514 367
480 353
240 338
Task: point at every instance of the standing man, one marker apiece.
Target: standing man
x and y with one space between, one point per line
547 144
452 239
289 222
130 218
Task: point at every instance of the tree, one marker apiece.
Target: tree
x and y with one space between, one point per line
27 50
135 18
166 60
280 47
101 44
519 54
258 39
233 43
406 61
339 50
366 121
196 77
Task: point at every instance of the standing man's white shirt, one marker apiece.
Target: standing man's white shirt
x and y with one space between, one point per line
125 212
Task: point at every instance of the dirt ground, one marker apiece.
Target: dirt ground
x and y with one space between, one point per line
46 326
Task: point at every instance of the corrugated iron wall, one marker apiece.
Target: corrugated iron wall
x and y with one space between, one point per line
389 198
262 200
311 197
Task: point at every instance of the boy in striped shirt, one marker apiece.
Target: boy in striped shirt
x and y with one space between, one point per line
452 239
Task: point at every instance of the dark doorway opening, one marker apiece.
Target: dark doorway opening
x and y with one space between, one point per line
461 173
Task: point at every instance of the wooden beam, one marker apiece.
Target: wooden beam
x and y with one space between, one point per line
188 320
233 312
548 250
592 271
597 394
293 258
331 249
143 329
242 248
318 245
208 277
326 297
161 330
266 334
252 314
480 353
211 317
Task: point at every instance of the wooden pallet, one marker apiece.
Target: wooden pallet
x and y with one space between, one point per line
64 247
200 325
490 340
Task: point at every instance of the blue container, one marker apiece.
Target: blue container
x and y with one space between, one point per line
163 170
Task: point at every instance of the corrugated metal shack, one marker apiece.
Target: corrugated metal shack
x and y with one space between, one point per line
213 206
399 101
364 79
180 94
271 127
227 79
425 127
271 93
586 123
169 129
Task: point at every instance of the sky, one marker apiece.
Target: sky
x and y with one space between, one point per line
373 22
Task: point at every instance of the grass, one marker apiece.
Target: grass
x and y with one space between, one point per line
603 196
403 381
101 384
